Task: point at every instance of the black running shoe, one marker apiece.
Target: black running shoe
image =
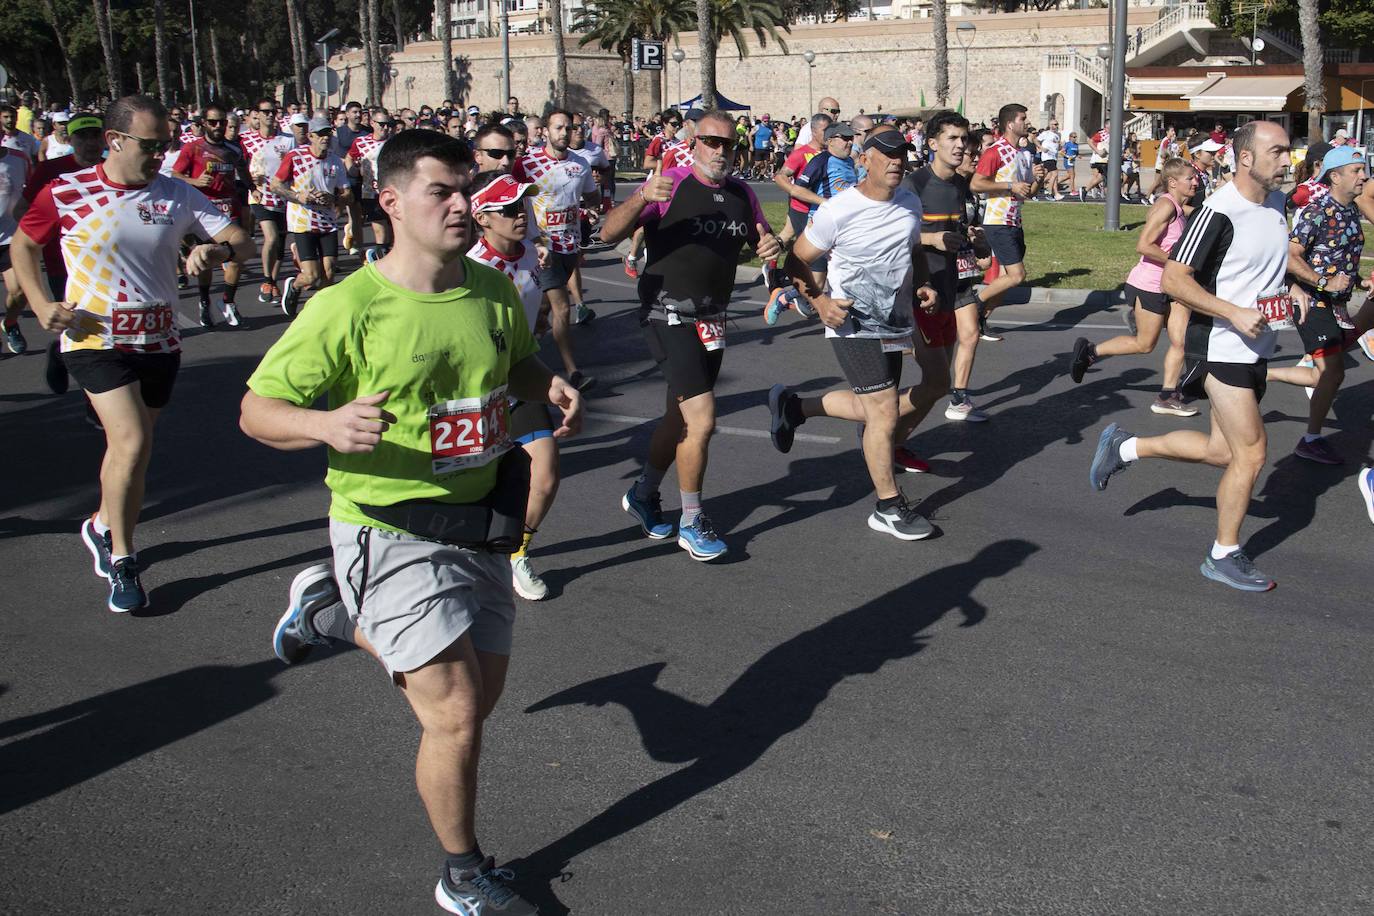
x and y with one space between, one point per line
779 427
582 383
206 319
1082 359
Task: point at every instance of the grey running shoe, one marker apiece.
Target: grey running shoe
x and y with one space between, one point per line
99 546
1317 450
527 583
482 891
582 314
902 521
965 411
312 590
1237 571
779 427
231 314
1107 459
14 340
1172 405
987 333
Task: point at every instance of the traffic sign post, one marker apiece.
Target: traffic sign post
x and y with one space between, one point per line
324 82
646 55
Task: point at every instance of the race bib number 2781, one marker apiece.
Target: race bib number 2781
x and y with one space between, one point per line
468 432
141 326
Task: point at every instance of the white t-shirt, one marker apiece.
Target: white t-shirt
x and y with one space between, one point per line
1049 142
870 243
24 142
593 155
1239 252
54 148
14 171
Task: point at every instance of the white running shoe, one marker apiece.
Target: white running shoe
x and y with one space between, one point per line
527 583
966 412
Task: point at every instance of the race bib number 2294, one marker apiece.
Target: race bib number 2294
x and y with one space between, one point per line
468 432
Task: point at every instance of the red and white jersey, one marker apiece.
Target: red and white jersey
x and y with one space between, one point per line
1310 191
187 135
523 270
363 153
264 159
120 245
668 148
220 160
561 184
304 172
284 123
1004 163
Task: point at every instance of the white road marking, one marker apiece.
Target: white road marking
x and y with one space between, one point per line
728 430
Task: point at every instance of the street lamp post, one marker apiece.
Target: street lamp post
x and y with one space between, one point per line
679 56
965 32
810 57
1117 135
505 55
1359 116
395 88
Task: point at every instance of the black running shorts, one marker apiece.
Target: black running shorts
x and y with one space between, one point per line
558 270
276 217
1252 376
688 366
99 371
1008 244
312 246
866 367
1321 334
1155 303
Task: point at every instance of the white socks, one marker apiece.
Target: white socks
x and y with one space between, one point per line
1221 552
1128 449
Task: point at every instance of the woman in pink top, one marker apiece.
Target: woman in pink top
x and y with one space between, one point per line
1150 307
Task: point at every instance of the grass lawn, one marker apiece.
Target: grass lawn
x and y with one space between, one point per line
1066 246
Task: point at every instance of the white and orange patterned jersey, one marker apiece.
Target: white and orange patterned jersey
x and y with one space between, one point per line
305 172
253 143
523 270
364 153
1004 163
561 184
120 245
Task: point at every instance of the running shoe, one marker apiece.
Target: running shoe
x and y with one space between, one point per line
780 301
631 270
965 410
55 372
231 314
264 293
1365 480
375 253
1307 362
700 540
289 297
126 591
905 460
582 382
582 314
99 546
1082 359
1238 571
527 583
649 511
769 272
902 521
1107 459
14 340
206 319
1367 344
482 891
804 307
987 333
780 429
1173 405
312 590
1317 450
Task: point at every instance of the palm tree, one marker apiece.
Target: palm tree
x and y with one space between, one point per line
707 43
613 24
297 52
735 18
113 79
1313 56
560 55
939 32
443 12
160 64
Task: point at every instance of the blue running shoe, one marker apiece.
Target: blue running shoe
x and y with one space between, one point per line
1236 570
482 891
700 540
779 302
1107 460
126 591
98 545
1366 483
312 590
803 307
374 254
649 512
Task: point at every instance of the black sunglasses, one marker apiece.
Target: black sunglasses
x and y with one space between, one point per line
716 142
152 147
511 210
497 153
267 111
215 120
832 110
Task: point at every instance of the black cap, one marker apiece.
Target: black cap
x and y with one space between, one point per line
839 130
694 114
889 141
1316 153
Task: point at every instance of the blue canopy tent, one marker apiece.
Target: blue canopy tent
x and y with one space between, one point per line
722 104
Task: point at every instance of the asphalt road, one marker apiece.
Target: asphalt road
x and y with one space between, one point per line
1043 710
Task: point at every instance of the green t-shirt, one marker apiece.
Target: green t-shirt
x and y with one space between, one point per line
367 335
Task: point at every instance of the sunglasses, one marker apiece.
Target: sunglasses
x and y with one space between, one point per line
831 110
152 147
385 125
716 142
215 121
511 210
497 153
267 111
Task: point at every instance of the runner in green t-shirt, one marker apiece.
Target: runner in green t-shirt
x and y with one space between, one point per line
416 355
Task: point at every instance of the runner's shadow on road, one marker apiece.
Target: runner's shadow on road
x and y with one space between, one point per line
173 596
775 696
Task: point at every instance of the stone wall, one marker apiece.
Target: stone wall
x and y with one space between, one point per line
884 65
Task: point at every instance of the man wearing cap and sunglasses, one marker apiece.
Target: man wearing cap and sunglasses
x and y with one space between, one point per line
314 182
696 220
210 165
117 223
872 234
1202 156
362 156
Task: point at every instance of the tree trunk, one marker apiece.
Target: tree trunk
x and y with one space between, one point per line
219 92
297 53
443 14
629 88
368 72
138 75
1313 55
164 76
560 55
706 41
113 81
396 25
939 31
374 45
50 14
303 41
181 65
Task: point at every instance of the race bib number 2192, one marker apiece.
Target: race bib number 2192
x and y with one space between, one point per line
468 432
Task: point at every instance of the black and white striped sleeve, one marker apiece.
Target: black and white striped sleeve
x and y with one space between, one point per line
1205 240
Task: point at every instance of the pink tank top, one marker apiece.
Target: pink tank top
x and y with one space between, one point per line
1147 274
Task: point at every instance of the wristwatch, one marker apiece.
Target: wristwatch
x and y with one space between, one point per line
1321 283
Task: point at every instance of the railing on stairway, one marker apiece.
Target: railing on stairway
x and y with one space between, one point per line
1290 43
1181 15
1090 70
1142 125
